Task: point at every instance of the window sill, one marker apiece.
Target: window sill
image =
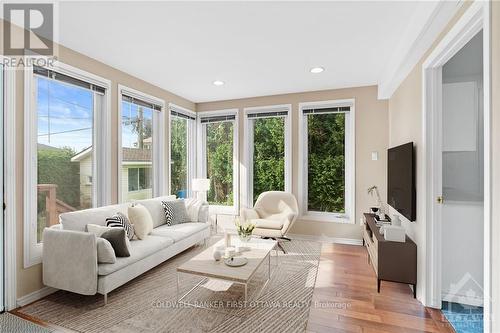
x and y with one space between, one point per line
326 217
33 255
223 210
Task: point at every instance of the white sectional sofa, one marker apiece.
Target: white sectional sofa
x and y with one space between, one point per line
70 253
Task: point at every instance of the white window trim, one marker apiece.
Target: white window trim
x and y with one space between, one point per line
10 189
349 216
247 174
159 182
101 168
192 133
201 154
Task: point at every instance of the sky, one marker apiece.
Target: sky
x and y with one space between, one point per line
65 116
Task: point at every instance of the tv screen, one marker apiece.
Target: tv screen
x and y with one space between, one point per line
401 180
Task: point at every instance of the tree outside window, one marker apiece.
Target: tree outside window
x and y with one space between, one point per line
268 155
326 162
219 162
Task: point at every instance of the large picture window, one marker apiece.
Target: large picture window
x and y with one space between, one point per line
61 135
139 158
268 160
327 146
182 150
219 160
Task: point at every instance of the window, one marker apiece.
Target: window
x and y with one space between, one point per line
62 127
268 160
327 150
218 158
140 162
182 150
139 179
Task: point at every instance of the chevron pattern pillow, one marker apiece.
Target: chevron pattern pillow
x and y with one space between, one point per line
119 220
175 212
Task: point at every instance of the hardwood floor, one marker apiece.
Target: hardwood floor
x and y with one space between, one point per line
346 300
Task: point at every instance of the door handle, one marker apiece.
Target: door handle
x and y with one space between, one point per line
440 199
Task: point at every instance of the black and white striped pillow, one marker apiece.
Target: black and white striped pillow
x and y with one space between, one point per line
119 220
175 212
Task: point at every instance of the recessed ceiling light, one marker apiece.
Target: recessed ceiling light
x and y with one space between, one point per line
316 70
218 83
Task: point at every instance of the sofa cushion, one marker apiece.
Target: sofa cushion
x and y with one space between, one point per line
119 220
119 241
175 212
139 249
155 208
105 252
267 224
97 229
179 231
78 220
141 220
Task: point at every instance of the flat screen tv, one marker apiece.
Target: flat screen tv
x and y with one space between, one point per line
401 193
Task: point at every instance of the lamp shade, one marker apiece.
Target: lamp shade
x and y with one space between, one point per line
201 184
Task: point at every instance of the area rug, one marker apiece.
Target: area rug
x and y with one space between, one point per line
464 318
148 303
14 324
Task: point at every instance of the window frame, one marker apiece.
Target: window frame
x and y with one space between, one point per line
192 146
247 193
101 190
201 158
158 151
349 217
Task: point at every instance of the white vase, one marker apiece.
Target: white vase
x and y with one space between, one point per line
217 255
396 221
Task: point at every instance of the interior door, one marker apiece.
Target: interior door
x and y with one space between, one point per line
462 181
1 190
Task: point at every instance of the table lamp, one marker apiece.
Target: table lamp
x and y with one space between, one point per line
201 186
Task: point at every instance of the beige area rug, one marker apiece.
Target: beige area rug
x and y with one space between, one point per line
148 303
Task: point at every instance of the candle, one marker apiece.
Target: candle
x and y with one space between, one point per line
230 252
227 239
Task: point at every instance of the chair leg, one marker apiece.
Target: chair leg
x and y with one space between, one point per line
105 298
281 247
286 238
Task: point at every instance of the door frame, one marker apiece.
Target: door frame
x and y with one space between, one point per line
9 176
475 18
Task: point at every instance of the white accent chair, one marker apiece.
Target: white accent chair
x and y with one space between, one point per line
273 214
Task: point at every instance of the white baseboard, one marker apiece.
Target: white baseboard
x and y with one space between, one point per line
326 239
35 296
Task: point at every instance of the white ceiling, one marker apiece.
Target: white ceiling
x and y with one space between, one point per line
258 48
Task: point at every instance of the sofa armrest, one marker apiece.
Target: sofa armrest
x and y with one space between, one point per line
203 213
248 214
70 260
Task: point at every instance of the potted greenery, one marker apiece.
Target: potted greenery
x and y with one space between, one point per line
244 230
373 190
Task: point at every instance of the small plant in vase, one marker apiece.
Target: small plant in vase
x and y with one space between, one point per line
373 190
244 230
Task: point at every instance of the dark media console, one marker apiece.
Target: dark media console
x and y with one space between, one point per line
392 261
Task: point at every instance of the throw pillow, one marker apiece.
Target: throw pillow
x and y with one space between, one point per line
118 239
140 217
97 229
105 252
175 212
119 220
193 207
